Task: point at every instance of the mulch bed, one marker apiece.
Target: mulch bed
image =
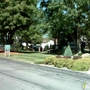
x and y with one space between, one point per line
67 57
1 51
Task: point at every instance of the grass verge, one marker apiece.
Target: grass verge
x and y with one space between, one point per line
32 57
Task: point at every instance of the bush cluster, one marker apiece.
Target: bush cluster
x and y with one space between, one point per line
50 60
78 65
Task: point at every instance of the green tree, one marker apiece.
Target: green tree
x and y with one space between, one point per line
18 15
32 35
65 17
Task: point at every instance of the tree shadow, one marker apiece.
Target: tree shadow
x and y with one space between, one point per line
28 52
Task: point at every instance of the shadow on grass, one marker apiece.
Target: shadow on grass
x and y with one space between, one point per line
28 52
32 52
36 52
48 53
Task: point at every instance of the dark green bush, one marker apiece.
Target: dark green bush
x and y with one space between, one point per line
15 48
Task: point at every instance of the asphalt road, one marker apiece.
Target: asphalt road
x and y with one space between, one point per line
16 75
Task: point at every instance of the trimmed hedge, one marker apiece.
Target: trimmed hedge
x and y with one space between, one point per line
78 65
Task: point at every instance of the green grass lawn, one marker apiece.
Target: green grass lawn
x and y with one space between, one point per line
32 57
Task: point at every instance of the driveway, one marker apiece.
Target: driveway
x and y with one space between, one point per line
16 75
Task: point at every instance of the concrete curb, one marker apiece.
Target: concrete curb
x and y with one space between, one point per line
67 71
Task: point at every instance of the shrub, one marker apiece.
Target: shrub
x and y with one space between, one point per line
15 48
50 60
87 59
69 63
60 63
80 65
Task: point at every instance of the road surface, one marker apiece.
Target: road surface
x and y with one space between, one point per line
16 75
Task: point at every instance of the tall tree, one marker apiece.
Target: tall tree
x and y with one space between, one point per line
65 17
17 15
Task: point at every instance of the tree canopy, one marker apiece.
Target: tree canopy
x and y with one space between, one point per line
66 16
19 16
59 18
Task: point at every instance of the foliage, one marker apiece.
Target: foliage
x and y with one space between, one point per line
69 63
78 65
60 63
46 48
21 16
59 18
50 60
65 17
16 46
87 59
71 13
